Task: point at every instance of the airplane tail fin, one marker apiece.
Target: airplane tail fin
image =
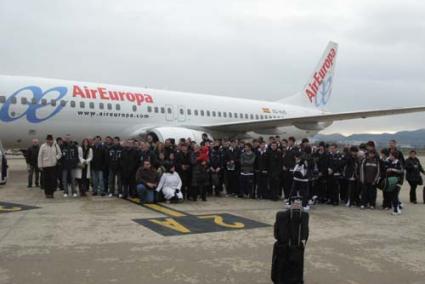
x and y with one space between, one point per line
317 90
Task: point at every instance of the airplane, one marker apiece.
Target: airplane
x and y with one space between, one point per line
34 107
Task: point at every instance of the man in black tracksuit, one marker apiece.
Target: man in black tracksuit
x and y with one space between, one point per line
322 158
32 159
129 163
216 169
261 171
69 162
275 171
351 172
114 164
336 164
231 163
288 161
184 158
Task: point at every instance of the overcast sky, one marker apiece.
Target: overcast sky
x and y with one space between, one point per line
250 49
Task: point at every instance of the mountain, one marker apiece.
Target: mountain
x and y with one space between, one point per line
415 138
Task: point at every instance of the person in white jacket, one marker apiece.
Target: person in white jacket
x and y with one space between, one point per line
82 173
170 184
48 157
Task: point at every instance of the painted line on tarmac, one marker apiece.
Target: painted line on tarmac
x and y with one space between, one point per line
178 223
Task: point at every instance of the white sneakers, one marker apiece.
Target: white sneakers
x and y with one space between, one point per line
307 208
65 195
120 195
74 195
110 195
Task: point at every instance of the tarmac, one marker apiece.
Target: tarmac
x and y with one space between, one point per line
110 240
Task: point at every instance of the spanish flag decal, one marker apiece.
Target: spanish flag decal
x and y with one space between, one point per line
266 110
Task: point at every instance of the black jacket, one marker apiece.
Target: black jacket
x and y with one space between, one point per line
216 158
98 161
413 170
32 155
231 159
114 157
69 158
184 159
129 162
275 163
262 161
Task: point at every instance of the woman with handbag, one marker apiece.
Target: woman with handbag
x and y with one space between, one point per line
413 174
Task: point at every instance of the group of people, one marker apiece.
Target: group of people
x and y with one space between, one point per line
276 169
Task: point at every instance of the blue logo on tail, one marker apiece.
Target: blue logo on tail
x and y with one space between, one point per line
324 93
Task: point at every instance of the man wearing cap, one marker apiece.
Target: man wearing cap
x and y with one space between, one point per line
48 157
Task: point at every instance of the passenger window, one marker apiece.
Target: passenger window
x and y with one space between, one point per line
241 115
117 107
101 105
230 115
202 113
213 114
251 116
181 111
91 105
156 109
163 110
236 115
72 103
134 108
82 105
225 114
257 117
33 101
246 116
2 99
169 110
53 102
63 103
219 114
13 100
109 106
149 109
24 101
44 102
208 113
196 112
189 112
262 116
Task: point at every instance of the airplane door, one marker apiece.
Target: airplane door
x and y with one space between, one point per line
169 112
181 113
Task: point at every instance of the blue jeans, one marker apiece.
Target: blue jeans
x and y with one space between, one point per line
71 174
146 195
97 177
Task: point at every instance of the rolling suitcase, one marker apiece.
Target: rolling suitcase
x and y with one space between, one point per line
291 233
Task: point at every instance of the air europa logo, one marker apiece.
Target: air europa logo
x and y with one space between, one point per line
32 112
320 85
104 94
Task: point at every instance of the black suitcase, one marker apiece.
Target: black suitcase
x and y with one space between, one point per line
291 231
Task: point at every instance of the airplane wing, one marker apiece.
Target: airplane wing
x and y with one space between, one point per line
309 121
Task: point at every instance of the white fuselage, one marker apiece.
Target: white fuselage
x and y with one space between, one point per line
34 107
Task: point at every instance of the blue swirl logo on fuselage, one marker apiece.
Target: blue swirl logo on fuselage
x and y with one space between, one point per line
324 92
34 106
